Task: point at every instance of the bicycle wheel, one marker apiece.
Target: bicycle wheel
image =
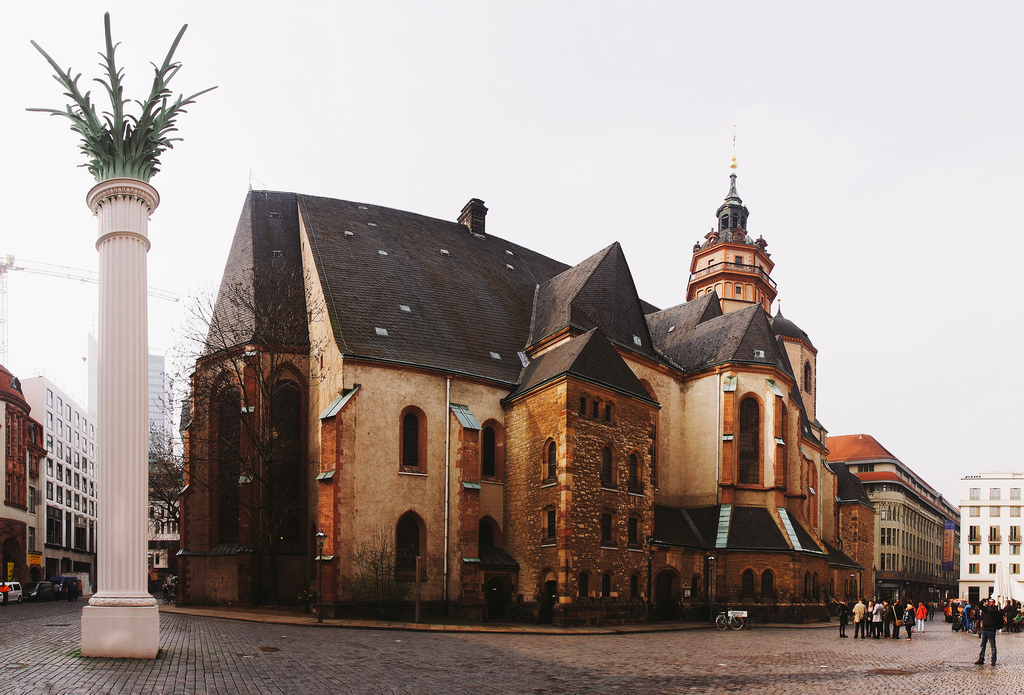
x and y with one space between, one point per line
721 622
736 622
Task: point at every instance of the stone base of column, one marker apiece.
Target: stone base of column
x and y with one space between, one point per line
121 632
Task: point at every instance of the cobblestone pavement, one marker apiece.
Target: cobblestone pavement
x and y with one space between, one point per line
200 655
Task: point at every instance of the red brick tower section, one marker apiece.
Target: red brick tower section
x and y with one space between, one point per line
470 597
601 498
336 493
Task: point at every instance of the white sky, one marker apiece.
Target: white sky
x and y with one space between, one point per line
873 138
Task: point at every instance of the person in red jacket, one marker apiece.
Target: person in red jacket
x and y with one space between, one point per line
921 614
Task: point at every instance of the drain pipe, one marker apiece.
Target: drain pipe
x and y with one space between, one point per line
447 486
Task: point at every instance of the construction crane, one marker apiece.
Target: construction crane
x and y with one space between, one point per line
58 271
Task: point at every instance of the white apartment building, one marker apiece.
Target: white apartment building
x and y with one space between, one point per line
67 514
990 516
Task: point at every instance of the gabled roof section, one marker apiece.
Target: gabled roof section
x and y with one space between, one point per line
848 486
676 324
261 298
676 528
699 342
597 293
837 558
416 290
590 357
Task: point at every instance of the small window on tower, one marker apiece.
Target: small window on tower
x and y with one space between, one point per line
739 290
739 260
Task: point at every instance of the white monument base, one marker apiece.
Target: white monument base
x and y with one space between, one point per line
121 632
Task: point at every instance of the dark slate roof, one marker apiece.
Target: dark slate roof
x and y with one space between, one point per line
848 486
676 528
807 541
464 304
754 528
684 318
731 337
497 559
590 357
597 293
784 327
837 558
264 269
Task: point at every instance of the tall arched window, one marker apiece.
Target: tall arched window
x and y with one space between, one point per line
607 470
486 539
584 584
229 455
634 473
414 442
750 442
407 545
284 491
487 461
748 584
551 469
808 376
767 585
807 585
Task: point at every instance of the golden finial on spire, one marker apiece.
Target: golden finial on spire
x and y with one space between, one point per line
733 165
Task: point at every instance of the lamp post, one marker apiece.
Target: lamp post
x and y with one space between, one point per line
650 566
711 587
320 537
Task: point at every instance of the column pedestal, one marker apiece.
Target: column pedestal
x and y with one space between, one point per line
122 620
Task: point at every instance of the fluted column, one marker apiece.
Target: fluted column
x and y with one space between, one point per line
121 619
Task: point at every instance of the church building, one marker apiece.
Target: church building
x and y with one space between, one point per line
530 440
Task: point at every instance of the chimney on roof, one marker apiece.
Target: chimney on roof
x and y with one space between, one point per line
473 216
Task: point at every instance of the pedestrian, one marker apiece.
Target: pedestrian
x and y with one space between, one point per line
72 591
887 619
869 616
909 616
895 617
991 620
921 613
1008 612
876 620
844 617
859 623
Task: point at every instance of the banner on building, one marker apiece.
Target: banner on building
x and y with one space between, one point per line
35 559
948 545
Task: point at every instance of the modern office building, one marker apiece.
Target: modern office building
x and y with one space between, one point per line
990 505
917 531
67 515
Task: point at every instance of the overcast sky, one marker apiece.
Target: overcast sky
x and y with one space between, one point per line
878 146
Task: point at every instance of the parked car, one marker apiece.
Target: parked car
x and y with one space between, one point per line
38 591
10 592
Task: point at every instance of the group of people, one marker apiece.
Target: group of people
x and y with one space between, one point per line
967 618
878 619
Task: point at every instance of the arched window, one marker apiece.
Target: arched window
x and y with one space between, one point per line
807 585
414 440
808 376
486 534
607 469
814 587
229 454
634 473
747 581
407 545
284 491
767 585
634 586
606 586
750 442
488 458
551 469
584 584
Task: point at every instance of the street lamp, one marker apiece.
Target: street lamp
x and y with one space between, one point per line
320 537
711 587
650 563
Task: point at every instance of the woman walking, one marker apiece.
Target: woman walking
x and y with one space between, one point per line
909 616
922 614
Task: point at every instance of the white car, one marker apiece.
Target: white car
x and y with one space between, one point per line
13 593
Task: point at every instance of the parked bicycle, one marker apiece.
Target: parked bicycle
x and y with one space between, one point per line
730 618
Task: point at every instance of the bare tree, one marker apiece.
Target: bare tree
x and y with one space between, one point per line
245 442
376 584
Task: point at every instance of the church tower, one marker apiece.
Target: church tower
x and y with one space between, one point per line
730 262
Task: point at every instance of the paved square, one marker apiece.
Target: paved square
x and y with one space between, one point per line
38 654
